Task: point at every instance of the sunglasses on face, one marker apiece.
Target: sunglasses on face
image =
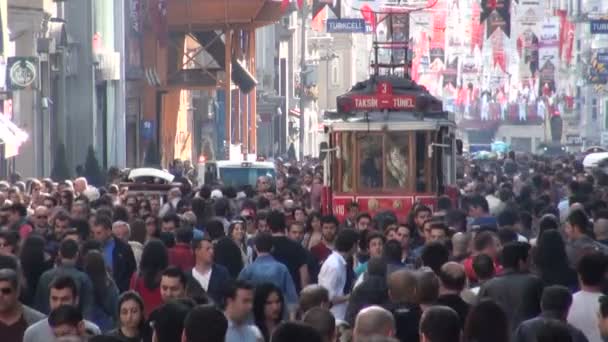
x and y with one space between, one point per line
6 290
42 217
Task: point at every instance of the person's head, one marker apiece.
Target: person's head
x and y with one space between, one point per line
268 304
17 212
313 296
403 235
131 311
477 206
154 259
61 223
452 277
276 222
237 231
603 316
63 291
439 324
66 320
152 228
207 316
239 301
515 256
363 222
591 269
9 290
486 321
296 231
168 320
121 230
439 232
295 332
577 224
427 287
375 244
329 226
346 241
434 255
203 251
373 321
421 214
483 266
263 243
9 243
68 251
184 235
402 286
41 217
102 228
299 215
556 299
487 243
172 284
170 223
460 244
323 321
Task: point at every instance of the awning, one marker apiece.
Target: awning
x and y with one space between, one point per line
11 136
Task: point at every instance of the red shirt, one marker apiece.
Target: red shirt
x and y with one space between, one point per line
151 298
321 252
181 256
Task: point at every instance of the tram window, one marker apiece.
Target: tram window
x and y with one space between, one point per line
421 151
346 147
397 159
370 158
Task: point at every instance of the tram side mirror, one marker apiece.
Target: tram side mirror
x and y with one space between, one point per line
459 147
323 147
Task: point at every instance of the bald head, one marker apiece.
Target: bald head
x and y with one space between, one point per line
460 243
402 286
373 321
600 229
452 277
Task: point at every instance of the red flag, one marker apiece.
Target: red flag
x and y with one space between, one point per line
300 2
369 16
476 27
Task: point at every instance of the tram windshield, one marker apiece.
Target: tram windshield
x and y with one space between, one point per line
394 161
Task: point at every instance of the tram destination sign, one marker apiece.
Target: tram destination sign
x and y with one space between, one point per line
372 102
383 99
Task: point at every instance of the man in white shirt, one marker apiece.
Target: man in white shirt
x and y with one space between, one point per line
207 278
334 272
585 303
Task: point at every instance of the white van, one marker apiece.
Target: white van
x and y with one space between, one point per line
234 173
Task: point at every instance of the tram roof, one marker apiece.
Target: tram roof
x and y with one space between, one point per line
392 121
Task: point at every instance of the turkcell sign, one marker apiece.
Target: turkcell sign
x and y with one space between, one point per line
599 26
345 25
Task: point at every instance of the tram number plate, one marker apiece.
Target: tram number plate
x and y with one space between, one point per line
339 210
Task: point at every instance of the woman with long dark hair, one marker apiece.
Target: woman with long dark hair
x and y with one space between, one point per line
486 322
314 232
131 325
146 282
268 308
33 264
104 289
551 262
238 234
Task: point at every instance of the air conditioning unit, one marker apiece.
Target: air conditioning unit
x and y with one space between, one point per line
107 66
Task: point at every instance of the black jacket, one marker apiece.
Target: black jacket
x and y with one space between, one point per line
517 293
528 330
372 291
455 302
218 283
407 319
123 264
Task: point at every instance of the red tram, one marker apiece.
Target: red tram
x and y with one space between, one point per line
389 145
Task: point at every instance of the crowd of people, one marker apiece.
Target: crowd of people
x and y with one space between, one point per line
521 256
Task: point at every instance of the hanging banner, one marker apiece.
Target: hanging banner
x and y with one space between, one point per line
548 43
476 27
22 73
450 73
566 39
499 57
547 79
438 39
527 46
